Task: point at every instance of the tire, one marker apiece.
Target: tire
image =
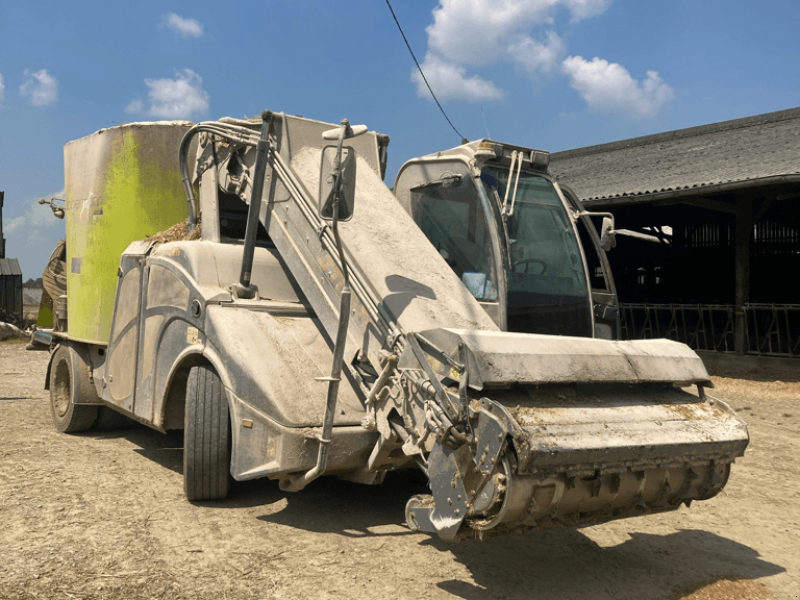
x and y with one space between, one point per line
206 437
69 383
110 420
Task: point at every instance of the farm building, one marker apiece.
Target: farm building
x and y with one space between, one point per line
724 202
10 281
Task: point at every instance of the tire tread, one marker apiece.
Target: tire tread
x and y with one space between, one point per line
206 453
79 417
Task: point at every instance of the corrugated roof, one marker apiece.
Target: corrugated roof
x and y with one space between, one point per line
739 153
9 266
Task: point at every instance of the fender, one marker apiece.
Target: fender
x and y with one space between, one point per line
49 366
274 363
188 357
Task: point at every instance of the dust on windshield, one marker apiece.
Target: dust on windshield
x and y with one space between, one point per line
449 212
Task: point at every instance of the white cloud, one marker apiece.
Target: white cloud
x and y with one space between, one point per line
178 98
135 106
14 224
583 9
479 33
534 56
40 88
609 87
185 28
2 88
450 82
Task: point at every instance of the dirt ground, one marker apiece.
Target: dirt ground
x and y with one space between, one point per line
103 515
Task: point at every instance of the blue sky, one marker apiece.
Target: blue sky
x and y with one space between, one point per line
551 74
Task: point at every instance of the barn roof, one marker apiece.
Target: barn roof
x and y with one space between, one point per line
722 156
9 266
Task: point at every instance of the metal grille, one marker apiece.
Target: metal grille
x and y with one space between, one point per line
776 234
708 235
772 329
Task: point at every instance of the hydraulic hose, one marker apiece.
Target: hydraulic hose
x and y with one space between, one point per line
232 133
299 482
244 289
187 182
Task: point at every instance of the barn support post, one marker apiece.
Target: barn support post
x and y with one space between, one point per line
744 231
2 239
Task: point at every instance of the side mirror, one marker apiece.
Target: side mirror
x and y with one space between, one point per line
58 211
328 173
608 237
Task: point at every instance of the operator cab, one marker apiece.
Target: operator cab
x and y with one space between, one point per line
513 238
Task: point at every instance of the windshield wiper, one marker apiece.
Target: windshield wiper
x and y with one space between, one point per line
446 180
509 211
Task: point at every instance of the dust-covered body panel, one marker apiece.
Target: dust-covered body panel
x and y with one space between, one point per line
267 351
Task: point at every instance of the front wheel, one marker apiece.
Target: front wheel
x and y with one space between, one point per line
206 437
69 383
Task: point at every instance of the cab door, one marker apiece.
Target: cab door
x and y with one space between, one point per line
604 292
443 200
123 347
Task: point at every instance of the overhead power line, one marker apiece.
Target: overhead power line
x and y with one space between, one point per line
463 139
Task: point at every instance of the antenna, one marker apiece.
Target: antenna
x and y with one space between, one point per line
489 135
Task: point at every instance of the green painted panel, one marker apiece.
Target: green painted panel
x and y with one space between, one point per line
45 317
122 184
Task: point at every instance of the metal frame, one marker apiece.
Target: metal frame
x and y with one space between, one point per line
770 329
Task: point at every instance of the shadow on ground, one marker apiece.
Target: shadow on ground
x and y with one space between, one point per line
539 565
765 375
330 505
566 564
327 505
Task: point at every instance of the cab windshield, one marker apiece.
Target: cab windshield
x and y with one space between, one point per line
547 288
449 212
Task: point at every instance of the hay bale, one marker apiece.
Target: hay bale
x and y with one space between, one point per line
177 233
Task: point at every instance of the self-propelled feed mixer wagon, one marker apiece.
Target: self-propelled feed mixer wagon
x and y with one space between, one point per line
301 324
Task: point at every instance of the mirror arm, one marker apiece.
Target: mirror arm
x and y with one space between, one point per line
337 185
608 234
58 211
244 288
298 482
335 194
639 236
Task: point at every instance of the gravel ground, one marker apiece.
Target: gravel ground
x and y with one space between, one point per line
102 515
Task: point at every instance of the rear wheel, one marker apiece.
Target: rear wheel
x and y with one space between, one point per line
69 383
206 437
